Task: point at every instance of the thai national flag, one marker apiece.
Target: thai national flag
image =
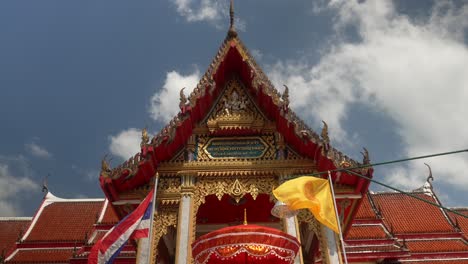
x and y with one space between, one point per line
135 225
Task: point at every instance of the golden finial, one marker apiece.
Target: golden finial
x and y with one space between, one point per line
232 31
144 137
245 216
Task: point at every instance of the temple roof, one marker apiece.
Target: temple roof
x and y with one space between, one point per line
404 214
43 256
57 231
75 217
393 225
232 59
386 227
11 229
460 222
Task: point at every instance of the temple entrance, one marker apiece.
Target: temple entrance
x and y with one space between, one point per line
241 230
215 214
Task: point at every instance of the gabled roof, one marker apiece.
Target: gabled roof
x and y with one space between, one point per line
63 219
232 59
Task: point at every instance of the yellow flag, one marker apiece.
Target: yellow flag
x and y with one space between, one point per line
311 193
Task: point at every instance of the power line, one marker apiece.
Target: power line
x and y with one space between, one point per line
406 193
390 162
393 188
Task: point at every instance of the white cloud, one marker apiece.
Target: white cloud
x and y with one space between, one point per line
38 151
258 55
165 102
415 71
10 187
164 105
203 10
125 144
207 10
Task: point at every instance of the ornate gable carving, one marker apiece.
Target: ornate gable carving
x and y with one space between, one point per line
235 110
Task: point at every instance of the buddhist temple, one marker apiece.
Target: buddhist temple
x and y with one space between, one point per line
217 161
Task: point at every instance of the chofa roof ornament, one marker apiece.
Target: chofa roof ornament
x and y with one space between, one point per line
232 31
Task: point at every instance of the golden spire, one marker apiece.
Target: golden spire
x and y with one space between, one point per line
232 31
245 212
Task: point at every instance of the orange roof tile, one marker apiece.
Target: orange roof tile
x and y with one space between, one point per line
109 216
65 221
439 246
408 215
373 249
462 221
366 232
42 256
10 229
366 211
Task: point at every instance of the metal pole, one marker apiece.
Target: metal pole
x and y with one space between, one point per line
337 219
150 235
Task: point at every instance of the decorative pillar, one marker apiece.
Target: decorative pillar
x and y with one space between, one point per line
330 247
291 227
184 225
290 224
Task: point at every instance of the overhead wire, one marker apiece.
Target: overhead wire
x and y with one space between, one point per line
349 170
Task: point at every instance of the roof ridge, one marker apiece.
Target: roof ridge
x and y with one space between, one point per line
50 197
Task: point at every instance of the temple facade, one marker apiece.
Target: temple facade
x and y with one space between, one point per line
233 141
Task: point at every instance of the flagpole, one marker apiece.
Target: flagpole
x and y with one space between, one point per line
150 234
337 219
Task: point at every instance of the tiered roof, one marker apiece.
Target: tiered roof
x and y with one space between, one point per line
388 227
58 232
393 225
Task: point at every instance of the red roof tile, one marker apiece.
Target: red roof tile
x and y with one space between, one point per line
408 215
462 221
42 256
10 229
373 249
109 216
439 246
65 221
366 232
366 211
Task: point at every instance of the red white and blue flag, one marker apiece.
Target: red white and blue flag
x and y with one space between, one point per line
135 225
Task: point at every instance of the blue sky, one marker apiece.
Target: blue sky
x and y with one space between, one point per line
79 79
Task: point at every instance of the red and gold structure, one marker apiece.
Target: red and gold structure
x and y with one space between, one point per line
234 140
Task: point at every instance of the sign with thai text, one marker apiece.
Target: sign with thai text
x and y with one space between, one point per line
244 147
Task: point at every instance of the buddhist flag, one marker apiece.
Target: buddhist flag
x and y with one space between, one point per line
311 193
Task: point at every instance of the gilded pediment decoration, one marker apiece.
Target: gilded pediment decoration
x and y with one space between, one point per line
235 110
234 187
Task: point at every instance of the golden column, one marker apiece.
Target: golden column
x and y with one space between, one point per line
185 216
290 224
